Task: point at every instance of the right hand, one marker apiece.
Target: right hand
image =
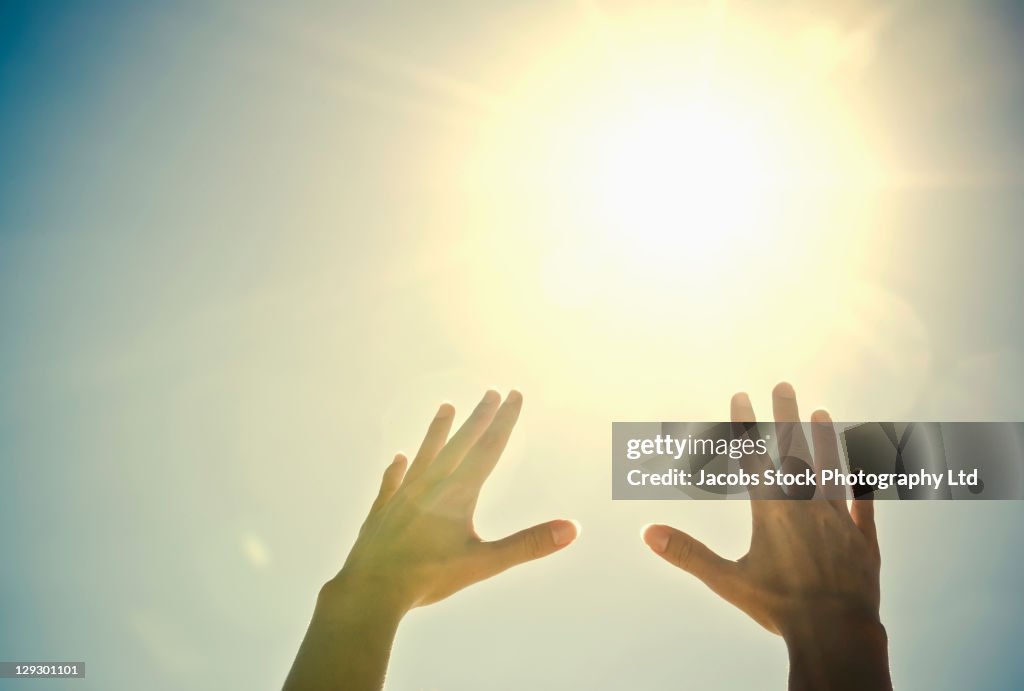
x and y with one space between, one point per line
812 572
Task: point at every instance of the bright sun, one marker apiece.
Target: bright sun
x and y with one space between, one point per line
660 188
678 169
682 163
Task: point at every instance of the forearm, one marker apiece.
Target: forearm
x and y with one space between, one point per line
838 652
348 642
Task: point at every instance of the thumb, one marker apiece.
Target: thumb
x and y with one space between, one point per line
527 545
692 556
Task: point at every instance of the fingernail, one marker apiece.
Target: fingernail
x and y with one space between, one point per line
785 390
821 417
446 410
514 396
564 532
657 538
491 397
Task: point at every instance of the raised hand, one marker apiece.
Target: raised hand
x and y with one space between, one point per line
417 546
812 572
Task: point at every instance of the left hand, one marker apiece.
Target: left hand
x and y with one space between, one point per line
418 544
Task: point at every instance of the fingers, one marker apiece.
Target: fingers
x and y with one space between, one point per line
826 457
390 483
740 409
694 557
863 514
453 452
527 545
744 427
484 455
792 442
433 442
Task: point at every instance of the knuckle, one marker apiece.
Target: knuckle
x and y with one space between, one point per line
452 492
490 441
681 550
532 545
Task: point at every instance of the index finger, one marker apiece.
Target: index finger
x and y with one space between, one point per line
744 426
453 453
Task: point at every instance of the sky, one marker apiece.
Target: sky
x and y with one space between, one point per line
247 248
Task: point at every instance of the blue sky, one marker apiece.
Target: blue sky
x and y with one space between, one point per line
246 249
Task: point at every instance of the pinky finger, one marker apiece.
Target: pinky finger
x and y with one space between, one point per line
863 514
390 483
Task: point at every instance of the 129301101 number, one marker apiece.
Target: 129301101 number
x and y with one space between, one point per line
49 670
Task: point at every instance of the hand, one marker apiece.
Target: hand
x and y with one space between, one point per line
812 571
417 546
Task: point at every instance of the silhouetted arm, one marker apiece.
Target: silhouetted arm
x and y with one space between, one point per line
349 639
837 648
417 546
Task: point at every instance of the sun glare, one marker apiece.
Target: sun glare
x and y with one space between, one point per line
668 172
725 156
668 165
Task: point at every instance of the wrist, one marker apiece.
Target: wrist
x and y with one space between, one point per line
349 638
353 598
837 647
824 622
